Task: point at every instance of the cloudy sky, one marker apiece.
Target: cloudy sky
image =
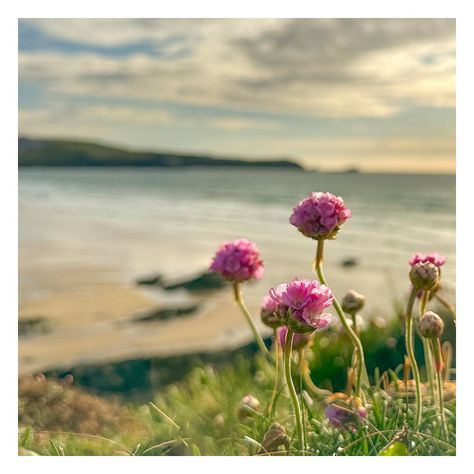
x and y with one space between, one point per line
376 94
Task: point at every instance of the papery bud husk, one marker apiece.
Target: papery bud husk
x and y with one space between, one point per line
431 326
352 302
424 276
247 407
274 438
270 319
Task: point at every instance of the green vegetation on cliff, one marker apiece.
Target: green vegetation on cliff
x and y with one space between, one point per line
33 152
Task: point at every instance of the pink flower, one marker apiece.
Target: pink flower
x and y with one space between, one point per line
238 261
320 215
345 412
433 257
300 341
300 305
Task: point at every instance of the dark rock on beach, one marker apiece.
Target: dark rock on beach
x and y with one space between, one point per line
164 314
150 280
33 326
202 282
349 262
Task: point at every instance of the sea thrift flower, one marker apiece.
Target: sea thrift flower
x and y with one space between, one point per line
424 275
269 318
431 325
300 341
352 302
247 407
433 257
345 412
320 216
238 261
300 305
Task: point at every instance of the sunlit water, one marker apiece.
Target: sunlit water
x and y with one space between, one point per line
117 224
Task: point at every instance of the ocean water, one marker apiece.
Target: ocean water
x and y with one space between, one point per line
78 226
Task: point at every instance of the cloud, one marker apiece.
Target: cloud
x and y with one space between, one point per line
87 121
96 117
321 68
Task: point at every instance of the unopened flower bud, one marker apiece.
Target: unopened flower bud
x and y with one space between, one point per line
431 325
274 438
219 420
268 315
247 407
352 302
424 275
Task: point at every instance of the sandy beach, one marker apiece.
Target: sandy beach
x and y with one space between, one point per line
97 324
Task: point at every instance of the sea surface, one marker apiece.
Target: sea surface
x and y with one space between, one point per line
121 223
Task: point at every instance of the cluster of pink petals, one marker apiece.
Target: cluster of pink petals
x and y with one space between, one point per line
238 261
305 301
320 215
433 257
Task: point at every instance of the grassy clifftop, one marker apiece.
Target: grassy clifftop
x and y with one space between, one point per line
33 152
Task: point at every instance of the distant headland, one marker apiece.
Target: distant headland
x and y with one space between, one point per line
39 152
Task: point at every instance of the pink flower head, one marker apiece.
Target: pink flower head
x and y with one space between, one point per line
433 257
346 412
301 304
238 261
320 215
300 341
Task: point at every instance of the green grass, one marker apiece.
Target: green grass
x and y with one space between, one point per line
199 414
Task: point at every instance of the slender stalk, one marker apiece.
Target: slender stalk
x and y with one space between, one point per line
272 404
362 371
435 344
354 323
240 301
303 419
411 354
309 382
292 390
429 366
426 347
447 305
354 359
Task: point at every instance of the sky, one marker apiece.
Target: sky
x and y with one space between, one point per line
332 94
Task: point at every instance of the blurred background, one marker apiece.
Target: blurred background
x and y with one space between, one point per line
145 143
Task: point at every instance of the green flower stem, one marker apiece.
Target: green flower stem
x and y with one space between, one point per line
362 371
436 346
291 388
308 381
411 354
240 301
447 305
272 405
354 323
355 351
426 347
